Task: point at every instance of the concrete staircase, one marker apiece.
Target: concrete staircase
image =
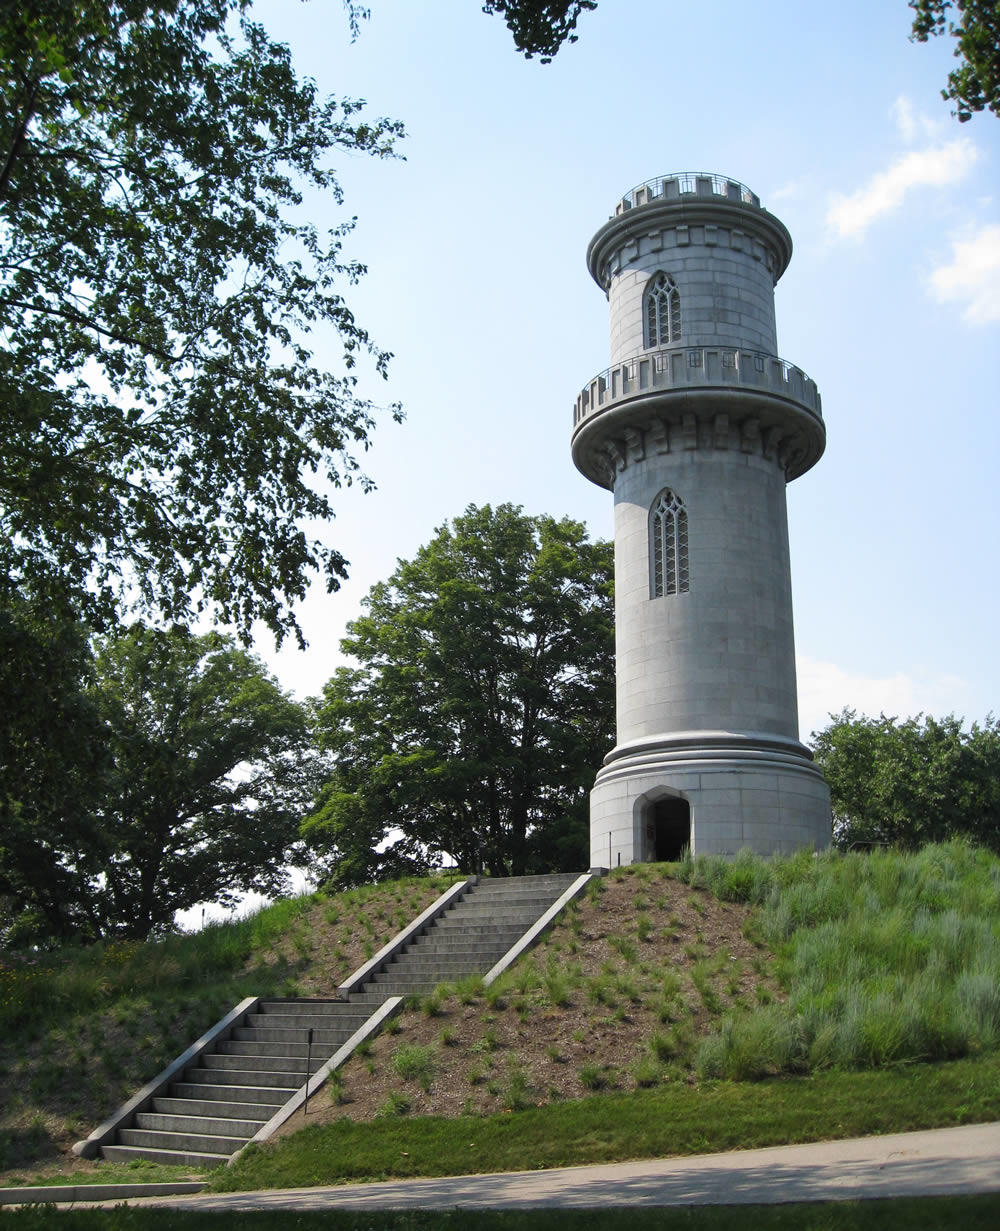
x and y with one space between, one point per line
469 939
253 1067
227 1097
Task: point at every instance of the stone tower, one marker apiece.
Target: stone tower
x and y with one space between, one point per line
696 427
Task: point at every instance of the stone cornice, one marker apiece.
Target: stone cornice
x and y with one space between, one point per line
697 398
663 223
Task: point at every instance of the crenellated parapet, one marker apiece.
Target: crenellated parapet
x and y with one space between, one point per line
684 183
697 398
688 209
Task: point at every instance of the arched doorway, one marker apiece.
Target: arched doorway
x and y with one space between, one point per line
671 824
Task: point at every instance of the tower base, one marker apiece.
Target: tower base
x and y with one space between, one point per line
717 791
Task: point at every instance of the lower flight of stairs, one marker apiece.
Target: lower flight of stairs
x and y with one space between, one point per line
260 1062
227 1097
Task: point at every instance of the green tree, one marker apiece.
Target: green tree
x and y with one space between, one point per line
483 703
212 773
975 84
912 782
166 427
193 771
540 27
53 767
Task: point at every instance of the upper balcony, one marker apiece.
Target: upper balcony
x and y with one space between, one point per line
692 367
682 183
767 402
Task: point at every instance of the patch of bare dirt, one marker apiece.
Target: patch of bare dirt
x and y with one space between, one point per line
618 995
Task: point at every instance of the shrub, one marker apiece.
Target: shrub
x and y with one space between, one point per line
593 1077
414 1062
396 1104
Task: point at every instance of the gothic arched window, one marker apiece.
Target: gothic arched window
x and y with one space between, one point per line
668 546
662 312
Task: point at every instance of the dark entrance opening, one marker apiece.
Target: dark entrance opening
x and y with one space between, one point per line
671 828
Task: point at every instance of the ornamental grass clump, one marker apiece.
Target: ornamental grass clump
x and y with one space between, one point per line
885 958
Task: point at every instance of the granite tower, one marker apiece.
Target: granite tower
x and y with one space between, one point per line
696 427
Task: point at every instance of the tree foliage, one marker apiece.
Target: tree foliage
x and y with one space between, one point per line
975 84
540 27
53 764
912 782
482 705
166 427
205 775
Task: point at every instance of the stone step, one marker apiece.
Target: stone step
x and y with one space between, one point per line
443 971
470 954
179 1158
296 1065
480 960
306 1008
474 933
547 882
201 1143
247 1034
319 1024
232 1094
258 1112
511 896
413 987
213 1126
512 899
496 910
243 1047
239 1077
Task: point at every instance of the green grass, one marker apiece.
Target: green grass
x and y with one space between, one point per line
886 958
82 1029
902 1214
646 1124
138 1171
886 962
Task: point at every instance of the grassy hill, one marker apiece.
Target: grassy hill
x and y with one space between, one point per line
682 996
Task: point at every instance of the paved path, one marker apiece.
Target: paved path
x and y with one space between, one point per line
944 1161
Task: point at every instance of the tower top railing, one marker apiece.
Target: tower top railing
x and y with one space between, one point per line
684 183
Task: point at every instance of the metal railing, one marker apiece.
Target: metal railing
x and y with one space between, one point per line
677 183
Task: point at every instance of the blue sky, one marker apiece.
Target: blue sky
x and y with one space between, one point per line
477 282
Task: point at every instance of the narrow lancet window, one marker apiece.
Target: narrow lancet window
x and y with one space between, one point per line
662 316
668 542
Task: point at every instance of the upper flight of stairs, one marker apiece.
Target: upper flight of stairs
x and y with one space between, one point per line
259 1062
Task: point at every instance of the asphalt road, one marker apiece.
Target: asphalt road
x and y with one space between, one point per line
945 1161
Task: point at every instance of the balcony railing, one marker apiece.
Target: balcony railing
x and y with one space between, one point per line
682 183
691 367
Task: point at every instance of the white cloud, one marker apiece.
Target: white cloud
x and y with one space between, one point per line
912 125
972 276
902 110
826 688
790 190
884 192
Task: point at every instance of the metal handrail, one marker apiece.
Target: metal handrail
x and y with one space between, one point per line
687 182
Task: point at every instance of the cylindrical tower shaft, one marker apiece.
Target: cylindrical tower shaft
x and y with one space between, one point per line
696 427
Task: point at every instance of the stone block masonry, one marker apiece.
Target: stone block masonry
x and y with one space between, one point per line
696 427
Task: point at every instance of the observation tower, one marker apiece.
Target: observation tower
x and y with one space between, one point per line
696 427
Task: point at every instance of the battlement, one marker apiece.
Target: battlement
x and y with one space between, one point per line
691 366
683 183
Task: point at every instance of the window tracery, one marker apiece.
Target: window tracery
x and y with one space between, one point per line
662 312
669 571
